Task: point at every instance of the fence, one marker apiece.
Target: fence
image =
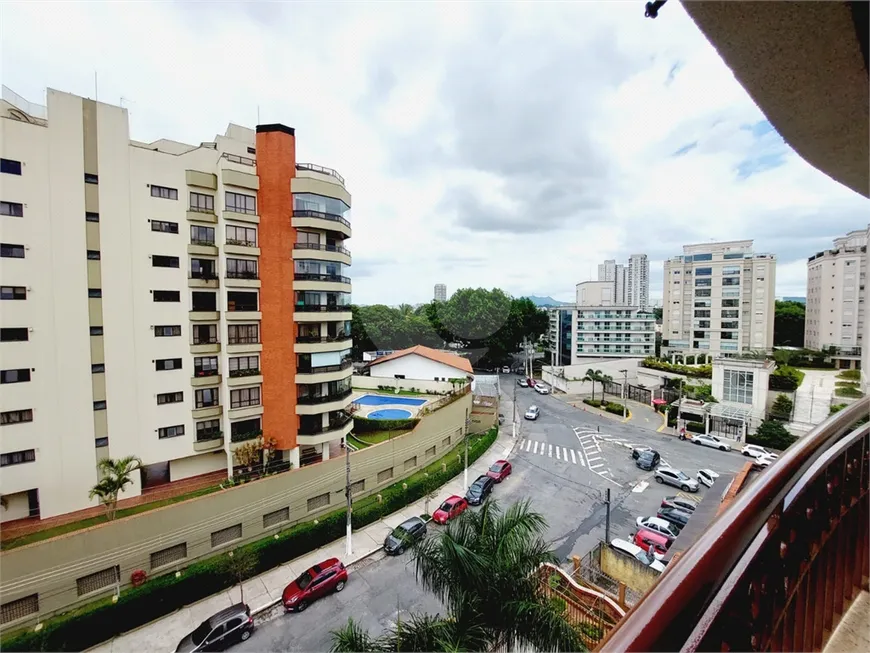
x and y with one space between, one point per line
633 392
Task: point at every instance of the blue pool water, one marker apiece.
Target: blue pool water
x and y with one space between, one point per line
389 413
380 400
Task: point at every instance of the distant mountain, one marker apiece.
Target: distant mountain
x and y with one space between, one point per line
542 302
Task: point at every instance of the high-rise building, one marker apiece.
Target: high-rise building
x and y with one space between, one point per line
618 275
638 281
440 292
607 270
836 299
169 301
718 299
595 293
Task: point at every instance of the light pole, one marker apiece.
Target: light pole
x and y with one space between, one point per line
465 472
348 550
624 393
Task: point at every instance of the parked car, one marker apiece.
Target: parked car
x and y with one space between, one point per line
634 551
653 543
327 576
532 413
676 478
223 629
677 517
540 388
452 507
755 451
522 383
506 370
648 459
636 451
500 470
763 462
711 441
707 477
479 490
679 503
660 526
531 382
404 535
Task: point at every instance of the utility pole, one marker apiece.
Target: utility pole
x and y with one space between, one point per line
624 393
514 411
680 407
465 472
607 515
348 550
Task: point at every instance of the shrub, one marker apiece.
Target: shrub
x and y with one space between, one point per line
850 375
782 406
592 402
696 427
848 392
771 434
698 372
613 407
836 408
365 425
785 378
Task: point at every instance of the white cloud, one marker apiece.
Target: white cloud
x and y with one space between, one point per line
515 145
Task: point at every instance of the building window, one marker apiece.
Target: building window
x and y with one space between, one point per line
96 331
202 203
205 334
241 268
14 334
246 429
10 167
730 303
205 366
164 193
16 416
201 235
93 255
385 475
170 398
13 292
730 314
733 324
170 431
226 535
91 179
98 368
278 516
737 386
702 313
730 281
165 364
204 302
703 282
242 301
158 261
238 203
243 334
730 270
246 236
703 272
17 457
357 487
101 442
410 463
95 217
99 405
244 366
208 430
8 250
167 330
95 293
703 292
203 268
207 397
320 501
13 209
21 375
245 397
167 296
99 580
164 226
168 556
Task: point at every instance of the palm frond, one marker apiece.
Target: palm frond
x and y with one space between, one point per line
351 638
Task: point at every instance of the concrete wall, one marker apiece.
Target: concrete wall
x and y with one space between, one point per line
634 574
50 568
372 383
414 366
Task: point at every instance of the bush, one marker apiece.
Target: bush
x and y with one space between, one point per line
698 372
848 392
101 620
613 407
696 427
782 406
851 375
771 434
365 425
592 402
785 378
836 408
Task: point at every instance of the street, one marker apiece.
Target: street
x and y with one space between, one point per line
562 463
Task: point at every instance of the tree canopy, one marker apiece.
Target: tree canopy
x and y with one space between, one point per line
788 324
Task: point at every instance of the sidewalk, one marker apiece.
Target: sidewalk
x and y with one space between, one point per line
263 592
640 415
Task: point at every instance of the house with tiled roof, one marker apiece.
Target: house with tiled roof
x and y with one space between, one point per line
423 363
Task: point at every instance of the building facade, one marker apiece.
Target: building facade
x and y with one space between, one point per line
836 297
440 292
169 301
637 289
559 334
595 293
718 300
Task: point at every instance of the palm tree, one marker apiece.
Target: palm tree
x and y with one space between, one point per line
115 477
592 376
484 569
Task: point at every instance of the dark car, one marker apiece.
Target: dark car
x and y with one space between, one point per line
479 490
636 451
500 470
678 518
227 627
404 535
648 459
328 576
679 503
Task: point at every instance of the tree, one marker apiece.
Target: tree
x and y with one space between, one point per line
240 564
788 324
782 406
772 434
600 377
484 569
115 477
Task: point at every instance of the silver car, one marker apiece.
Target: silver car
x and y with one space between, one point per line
711 441
532 412
675 477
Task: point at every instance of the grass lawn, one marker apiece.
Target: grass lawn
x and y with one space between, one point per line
48 533
376 437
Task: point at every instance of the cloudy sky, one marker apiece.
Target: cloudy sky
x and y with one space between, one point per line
486 144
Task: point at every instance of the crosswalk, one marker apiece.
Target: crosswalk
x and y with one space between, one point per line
563 454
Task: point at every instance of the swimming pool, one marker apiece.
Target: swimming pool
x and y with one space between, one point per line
389 413
381 400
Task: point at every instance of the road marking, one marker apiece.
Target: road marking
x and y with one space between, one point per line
591 458
580 456
558 456
542 448
640 487
550 454
536 445
529 445
573 457
591 466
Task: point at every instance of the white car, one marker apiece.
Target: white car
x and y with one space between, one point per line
541 389
711 441
637 553
658 525
763 461
505 370
755 451
532 412
707 477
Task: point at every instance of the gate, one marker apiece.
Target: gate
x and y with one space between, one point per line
728 427
633 392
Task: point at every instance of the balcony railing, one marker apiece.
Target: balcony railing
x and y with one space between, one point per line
308 276
326 368
248 371
240 243
242 274
321 308
317 339
334 425
322 399
202 241
322 248
833 350
305 213
235 158
313 167
207 275
781 562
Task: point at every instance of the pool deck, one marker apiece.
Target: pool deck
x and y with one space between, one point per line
364 409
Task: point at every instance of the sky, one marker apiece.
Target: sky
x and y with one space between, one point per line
484 144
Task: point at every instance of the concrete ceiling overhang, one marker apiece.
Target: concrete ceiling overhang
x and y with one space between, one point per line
804 65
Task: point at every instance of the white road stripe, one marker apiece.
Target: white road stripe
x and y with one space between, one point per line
573 457
558 457
543 448
591 466
580 456
591 458
536 446
550 454
528 445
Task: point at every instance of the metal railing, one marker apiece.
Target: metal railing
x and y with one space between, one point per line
777 567
325 368
235 158
321 308
317 339
313 167
242 274
322 248
240 243
322 399
310 276
307 213
333 425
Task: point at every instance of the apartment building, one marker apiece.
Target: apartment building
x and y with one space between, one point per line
637 286
836 296
617 275
718 300
440 292
167 301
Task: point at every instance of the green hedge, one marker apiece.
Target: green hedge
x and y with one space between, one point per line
785 378
610 406
365 425
592 402
101 620
698 372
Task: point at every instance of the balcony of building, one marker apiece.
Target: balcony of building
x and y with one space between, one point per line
322 252
318 429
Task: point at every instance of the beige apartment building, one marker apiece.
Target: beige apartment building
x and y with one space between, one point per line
836 296
163 300
718 300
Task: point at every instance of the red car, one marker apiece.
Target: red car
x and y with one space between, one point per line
452 507
330 575
500 470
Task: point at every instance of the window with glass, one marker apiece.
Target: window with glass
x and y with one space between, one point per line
244 366
243 334
702 313
303 202
703 282
703 303
205 366
205 334
245 429
730 270
730 281
239 203
700 257
731 292
207 397
208 430
703 272
737 386
307 267
203 268
730 303
202 203
164 193
242 301
245 236
703 292
731 324
703 324
239 268
245 397
308 238
202 301
730 313
201 235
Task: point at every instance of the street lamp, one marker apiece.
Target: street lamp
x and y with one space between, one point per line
624 393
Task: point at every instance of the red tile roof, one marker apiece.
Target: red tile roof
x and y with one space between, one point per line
452 360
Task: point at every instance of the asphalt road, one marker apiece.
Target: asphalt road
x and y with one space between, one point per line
567 489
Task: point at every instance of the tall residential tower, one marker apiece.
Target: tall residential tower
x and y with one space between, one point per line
638 281
440 292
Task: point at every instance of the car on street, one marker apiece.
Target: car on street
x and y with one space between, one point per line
636 451
541 389
321 579
763 462
677 517
648 459
531 382
755 451
500 470
404 535
653 543
711 441
479 490
505 370
522 383
707 477
634 551
675 477
452 507
679 503
658 525
532 413
223 629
